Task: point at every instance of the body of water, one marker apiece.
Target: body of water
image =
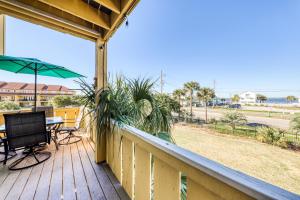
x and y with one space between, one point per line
279 101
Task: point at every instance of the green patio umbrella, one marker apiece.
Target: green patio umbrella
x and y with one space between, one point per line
36 67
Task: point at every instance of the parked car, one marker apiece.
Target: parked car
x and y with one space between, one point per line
235 106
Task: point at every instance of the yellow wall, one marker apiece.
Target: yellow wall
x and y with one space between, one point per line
69 115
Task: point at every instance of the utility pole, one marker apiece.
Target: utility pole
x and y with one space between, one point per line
162 82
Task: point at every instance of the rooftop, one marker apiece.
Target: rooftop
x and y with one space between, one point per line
30 86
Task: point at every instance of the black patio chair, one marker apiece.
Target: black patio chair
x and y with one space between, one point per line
6 156
70 131
27 131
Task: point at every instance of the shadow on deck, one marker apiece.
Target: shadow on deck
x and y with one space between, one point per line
70 173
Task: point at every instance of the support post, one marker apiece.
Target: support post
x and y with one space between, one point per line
101 82
2 34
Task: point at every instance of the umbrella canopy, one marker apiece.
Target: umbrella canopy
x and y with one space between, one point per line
36 67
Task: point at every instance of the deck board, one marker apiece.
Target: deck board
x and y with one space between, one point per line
55 191
91 178
70 173
19 185
82 190
108 189
42 190
68 176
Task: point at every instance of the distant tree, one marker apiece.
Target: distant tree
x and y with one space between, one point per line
295 124
168 102
290 99
178 94
261 98
206 95
5 105
190 88
223 100
234 118
63 101
235 98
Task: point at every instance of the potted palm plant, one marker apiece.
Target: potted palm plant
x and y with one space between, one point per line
128 101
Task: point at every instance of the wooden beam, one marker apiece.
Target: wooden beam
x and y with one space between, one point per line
113 5
116 20
2 34
33 15
101 82
82 10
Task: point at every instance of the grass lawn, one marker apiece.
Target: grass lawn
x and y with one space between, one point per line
270 163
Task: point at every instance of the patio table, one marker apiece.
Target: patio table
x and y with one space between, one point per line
52 122
49 122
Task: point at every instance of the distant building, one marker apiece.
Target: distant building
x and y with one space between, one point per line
247 97
23 93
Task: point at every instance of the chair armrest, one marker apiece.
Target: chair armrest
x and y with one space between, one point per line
48 136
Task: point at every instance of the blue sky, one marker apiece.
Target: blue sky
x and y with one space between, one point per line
243 45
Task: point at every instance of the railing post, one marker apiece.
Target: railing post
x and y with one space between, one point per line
142 183
166 181
101 81
2 34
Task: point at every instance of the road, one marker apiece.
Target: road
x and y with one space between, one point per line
278 123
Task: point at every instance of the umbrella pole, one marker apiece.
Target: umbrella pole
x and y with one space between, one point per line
35 84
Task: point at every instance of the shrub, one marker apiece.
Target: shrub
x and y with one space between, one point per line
214 122
234 119
63 101
9 106
269 135
295 124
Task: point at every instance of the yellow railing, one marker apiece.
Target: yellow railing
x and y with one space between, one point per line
69 115
147 165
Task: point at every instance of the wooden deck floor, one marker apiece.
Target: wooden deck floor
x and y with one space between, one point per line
70 173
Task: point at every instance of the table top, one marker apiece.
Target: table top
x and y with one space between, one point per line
49 121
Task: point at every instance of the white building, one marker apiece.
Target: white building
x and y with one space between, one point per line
247 97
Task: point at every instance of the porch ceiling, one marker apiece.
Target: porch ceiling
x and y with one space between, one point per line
89 19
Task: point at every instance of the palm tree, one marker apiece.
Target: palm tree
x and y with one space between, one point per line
235 98
190 87
295 124
290 99
178 94
131 102
234 118
261 98
206 95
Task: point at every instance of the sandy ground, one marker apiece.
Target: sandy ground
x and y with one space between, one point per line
269 163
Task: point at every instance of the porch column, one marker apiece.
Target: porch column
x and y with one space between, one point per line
101 82
2 34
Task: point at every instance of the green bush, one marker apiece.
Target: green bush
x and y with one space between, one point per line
64 101
9 106
234 119
269 135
